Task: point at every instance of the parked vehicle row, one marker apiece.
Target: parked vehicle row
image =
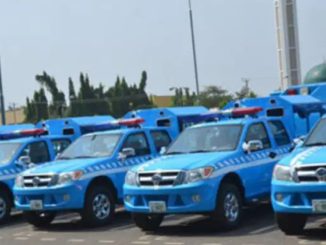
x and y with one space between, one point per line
221 162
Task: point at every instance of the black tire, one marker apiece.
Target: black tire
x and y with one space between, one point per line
148 222
291 224
39 219
5 207
223 218
95 195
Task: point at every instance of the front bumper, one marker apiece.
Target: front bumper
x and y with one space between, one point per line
56 198
198 197
290 197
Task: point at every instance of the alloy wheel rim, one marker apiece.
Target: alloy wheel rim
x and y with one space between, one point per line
101 206
3 207
231 207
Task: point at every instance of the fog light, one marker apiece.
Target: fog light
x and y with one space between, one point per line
196 198
127 198
66 197
279 197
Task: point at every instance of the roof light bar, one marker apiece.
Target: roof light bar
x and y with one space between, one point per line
22 133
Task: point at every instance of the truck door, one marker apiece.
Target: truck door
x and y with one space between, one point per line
137 141
282 146
38 152
256 175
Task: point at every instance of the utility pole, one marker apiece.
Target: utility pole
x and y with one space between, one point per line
193 46
2 103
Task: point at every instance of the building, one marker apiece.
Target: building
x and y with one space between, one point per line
287 42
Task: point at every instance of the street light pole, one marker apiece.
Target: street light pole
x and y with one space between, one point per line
2 103
193 46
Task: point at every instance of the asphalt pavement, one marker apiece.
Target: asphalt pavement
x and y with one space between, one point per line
258 228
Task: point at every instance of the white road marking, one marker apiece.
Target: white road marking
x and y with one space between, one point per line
305 242
21 238
161 238
106 241
48 239
76 240
262 229
140 242
174 243
211 244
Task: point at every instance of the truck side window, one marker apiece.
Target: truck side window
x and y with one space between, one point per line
279 132
59 145
257 131
161 138
37 151
138 142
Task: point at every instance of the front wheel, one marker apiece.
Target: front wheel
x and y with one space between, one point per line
148 222
39 219
99 206
228 210
5 207
291 224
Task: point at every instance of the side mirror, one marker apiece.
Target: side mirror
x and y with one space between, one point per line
24 161
252 145
297 142
127 152
163 150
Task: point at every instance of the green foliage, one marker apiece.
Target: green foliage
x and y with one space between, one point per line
214 97
181 98
89 100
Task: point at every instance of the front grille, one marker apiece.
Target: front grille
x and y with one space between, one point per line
163 178
309 173
43 180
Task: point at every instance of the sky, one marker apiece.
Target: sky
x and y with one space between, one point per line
235 39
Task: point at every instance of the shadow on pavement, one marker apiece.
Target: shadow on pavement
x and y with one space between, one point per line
315 234
73 224
15 220
258 220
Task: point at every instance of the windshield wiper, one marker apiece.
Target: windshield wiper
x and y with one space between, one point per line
199 151
316 144
175 153
79 157
64 158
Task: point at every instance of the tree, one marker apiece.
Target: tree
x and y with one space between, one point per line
214 96
58 97
245 91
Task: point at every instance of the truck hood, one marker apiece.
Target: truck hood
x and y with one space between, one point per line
62 166
184 161
306 156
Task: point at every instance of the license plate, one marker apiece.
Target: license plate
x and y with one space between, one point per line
36 204
319 206
157 207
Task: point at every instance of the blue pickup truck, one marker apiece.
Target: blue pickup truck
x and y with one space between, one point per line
20 150
88 176
299 182
214 168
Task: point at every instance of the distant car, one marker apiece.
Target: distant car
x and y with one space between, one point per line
213 169
19 154
88 176
299 182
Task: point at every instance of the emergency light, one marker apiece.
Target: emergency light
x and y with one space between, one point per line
23 133
112 125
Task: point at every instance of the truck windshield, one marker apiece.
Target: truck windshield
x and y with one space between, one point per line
317 136
7 152
90 146
207 139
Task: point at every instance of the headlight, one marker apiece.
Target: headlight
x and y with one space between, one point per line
282 173
131 178
69 177
19 181
197 174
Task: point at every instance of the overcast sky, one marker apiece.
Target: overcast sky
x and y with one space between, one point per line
106 38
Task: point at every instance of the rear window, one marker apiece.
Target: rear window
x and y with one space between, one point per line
161 139
279 133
